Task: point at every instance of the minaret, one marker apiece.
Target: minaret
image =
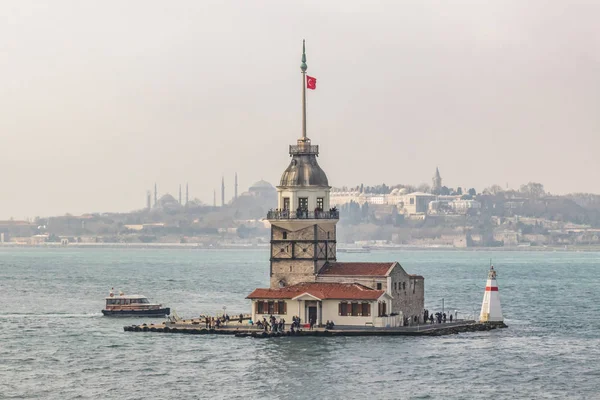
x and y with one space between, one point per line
187 194
303 228
155 195
148 200
180 194
214 197
223 192
236 187
491 311
437 182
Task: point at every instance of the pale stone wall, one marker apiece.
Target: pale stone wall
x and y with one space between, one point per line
292 272
311 193
300 244
307 233
368 281
408 293
292 309
331 312
326 232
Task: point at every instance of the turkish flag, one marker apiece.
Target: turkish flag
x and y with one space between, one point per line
311 83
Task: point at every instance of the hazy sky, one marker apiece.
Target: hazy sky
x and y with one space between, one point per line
100 99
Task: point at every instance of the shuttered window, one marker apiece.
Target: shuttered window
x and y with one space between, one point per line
382 309
271 307
366 309
343 308
355 310
281 307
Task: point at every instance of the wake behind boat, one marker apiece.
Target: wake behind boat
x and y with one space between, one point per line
133 305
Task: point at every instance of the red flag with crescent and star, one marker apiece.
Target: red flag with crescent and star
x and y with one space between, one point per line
311 83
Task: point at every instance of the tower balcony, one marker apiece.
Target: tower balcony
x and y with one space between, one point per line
304 149
302 214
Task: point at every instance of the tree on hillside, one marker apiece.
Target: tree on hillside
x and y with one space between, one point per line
494 189
423 187
532 190
472 192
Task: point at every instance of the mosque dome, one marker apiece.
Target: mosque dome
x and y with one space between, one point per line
167 199
304 171
262 185
262 188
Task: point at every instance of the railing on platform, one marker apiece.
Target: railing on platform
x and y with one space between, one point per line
303 214
304 149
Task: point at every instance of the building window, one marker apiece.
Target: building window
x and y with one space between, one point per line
404 285
284 235
281 307
343 309
412 200
395 287
379 286
303 203
366 309
286 203
320 203
355 310
414 286
260 307
382 309
271 307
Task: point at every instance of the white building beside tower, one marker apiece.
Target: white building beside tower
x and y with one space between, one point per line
305 278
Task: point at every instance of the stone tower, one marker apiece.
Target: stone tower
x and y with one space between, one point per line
437 182
303 228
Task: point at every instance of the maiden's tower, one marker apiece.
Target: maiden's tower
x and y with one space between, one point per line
306 280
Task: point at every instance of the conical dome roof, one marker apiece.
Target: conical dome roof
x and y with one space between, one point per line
304 171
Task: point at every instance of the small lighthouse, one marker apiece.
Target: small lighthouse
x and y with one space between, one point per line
491 311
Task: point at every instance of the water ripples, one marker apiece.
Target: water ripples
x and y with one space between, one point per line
55 343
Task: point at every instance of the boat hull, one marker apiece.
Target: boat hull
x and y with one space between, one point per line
160 312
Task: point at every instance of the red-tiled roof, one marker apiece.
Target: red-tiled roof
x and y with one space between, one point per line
323 291
356 268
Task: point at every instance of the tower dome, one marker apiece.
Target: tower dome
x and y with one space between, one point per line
303 171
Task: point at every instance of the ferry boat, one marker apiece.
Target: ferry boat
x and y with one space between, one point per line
133 305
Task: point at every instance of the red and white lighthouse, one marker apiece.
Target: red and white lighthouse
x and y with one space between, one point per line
491 311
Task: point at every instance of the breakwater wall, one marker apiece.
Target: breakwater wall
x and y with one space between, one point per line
428 330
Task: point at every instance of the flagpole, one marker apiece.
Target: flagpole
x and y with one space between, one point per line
303 67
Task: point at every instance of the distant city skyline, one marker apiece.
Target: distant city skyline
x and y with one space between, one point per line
98 104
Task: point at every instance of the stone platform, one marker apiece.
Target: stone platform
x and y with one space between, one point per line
241 330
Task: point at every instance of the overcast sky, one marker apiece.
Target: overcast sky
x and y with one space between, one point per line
100 99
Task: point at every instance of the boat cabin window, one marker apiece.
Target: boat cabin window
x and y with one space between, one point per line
126 301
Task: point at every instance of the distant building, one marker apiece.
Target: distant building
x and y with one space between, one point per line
416 203
340 197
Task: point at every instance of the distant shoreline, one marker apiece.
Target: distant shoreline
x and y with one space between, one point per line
263 247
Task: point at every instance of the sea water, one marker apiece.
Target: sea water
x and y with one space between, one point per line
55 343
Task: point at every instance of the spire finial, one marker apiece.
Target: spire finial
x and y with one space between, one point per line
303 66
